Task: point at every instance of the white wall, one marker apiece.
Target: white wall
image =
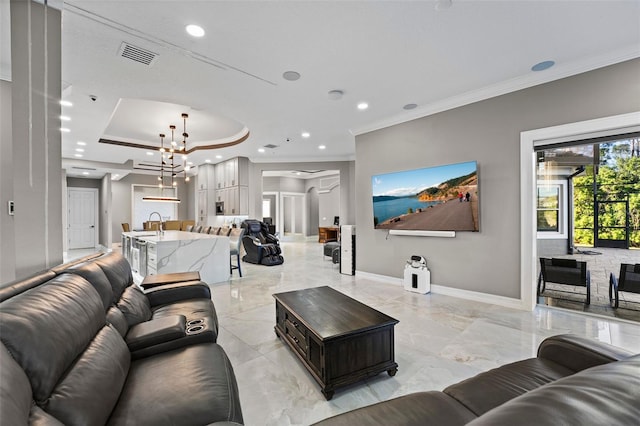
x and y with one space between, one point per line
488 132
329 206
121 200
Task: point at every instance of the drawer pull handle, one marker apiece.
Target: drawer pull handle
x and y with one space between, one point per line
295 339
295 324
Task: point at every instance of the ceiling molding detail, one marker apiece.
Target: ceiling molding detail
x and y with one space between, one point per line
188 151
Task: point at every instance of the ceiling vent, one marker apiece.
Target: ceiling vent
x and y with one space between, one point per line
83 168
137 54
271 146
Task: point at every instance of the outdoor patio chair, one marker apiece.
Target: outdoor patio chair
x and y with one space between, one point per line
564 271
629 281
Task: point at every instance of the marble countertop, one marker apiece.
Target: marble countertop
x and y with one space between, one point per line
152 237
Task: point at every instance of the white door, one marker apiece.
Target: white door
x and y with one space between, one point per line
82 217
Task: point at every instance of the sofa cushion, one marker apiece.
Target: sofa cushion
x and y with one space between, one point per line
494 387
116 318
117 270
15 391
19 286
134 305
603 395
65 314
91 388
194 385
416 409
91 272
39 417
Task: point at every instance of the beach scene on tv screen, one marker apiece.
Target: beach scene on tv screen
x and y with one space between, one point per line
442 198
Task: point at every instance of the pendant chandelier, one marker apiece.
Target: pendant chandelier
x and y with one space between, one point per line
168 177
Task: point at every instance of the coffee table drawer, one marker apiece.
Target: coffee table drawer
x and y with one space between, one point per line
294 332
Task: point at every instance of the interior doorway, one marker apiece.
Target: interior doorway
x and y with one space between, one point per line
82 218
298 202
292 216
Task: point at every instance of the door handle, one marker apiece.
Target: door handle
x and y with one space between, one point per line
92 226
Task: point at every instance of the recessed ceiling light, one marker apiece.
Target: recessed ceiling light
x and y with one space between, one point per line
65 118
64 129
298 173
190 163
335 95
116 175
409 106
541 66
207 161
85 173
149 153
305 134
218 156
195 30
363 105
79 149
291 75
321 147
260 149
81 143
66 103
78 155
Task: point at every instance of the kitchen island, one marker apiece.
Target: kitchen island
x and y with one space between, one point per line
178 251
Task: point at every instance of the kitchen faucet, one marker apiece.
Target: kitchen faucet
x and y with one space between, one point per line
160 231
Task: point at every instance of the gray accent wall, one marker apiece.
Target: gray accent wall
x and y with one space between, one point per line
7 234
33 142
489 133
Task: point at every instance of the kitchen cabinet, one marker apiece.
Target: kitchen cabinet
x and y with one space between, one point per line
232 179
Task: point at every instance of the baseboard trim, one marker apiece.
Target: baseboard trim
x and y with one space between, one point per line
475 296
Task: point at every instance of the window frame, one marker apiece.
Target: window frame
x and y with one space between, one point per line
563 217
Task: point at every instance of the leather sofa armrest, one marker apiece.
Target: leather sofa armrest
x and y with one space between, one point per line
171 293
578 353
154 332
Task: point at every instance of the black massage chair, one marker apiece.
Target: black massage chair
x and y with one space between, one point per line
262 248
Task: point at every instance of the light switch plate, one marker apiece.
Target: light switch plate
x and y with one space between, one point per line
10 206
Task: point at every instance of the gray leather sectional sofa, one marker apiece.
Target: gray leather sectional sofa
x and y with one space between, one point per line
572 381
83 345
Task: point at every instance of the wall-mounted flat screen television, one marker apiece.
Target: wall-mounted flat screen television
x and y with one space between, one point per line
442 198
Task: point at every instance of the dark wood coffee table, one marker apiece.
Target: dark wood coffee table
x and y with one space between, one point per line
338 339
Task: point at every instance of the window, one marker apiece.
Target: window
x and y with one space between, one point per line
551 209
548 208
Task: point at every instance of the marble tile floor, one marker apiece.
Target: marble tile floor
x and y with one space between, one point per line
601 262
440 340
